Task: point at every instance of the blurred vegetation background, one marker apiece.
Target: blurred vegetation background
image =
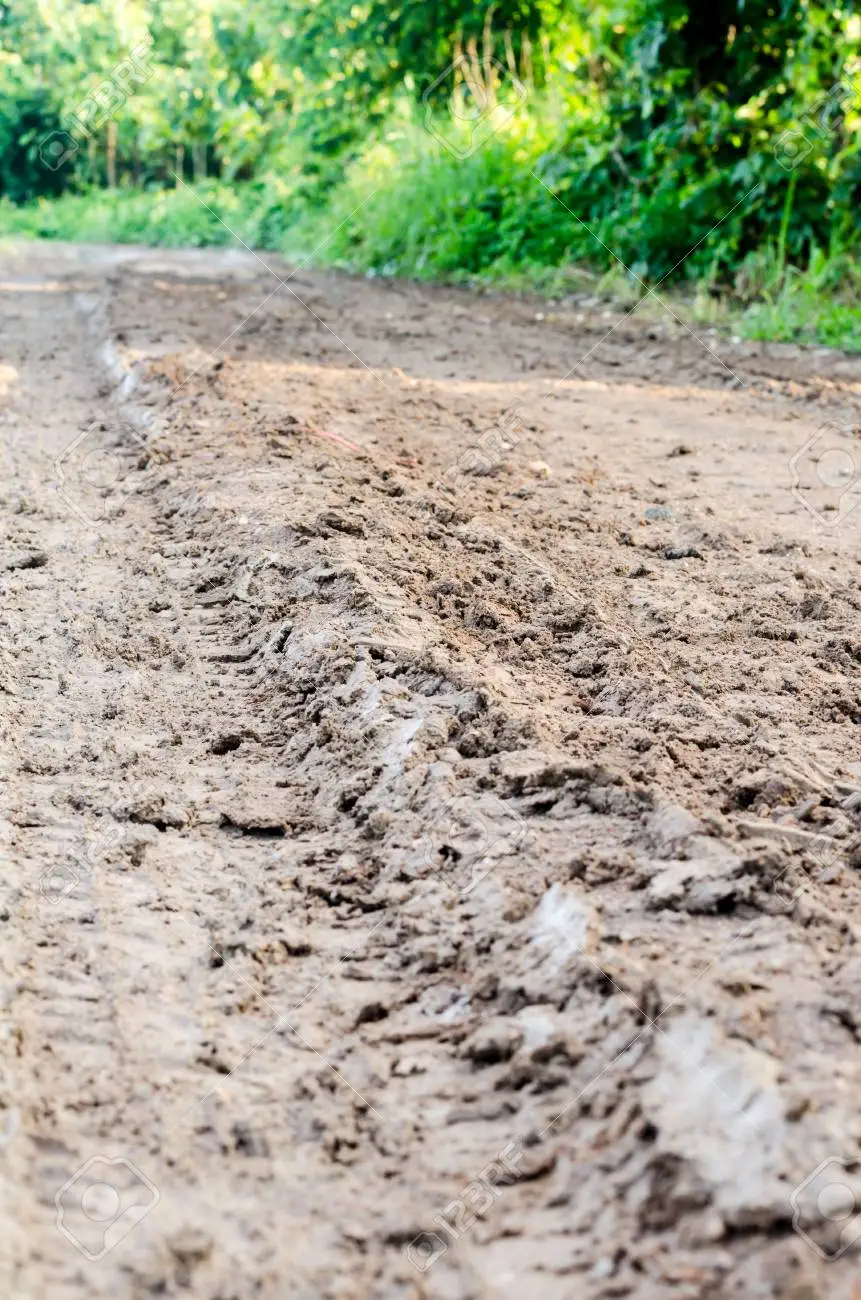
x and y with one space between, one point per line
716 145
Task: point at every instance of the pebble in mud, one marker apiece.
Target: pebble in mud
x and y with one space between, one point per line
493 1042
30 560
682 553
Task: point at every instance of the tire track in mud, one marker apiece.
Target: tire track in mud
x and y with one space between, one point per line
385 993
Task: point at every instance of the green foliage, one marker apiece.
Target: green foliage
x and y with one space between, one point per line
710 110
360 57
819 305
718 142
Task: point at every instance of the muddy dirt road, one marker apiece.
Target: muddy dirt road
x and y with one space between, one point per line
431 794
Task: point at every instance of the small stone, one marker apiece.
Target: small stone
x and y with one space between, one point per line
495 1041
408 1065
486 987
540 469
379 822
533 1164
247 1141
190 1245
296 944
682 553
30 560
564 924
371 1012
670 827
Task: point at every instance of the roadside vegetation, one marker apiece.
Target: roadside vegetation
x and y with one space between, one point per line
558 146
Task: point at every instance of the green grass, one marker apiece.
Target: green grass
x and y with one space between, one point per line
817 305
179 218
407 206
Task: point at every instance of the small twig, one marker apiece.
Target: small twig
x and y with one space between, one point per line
336 437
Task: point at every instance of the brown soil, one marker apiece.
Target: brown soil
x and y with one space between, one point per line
431 794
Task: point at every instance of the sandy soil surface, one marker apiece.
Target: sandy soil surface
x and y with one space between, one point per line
431 794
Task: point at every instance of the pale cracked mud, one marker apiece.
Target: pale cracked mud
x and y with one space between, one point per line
430 794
